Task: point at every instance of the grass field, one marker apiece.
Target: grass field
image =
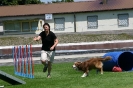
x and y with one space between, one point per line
63 76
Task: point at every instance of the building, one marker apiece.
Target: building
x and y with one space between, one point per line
96 15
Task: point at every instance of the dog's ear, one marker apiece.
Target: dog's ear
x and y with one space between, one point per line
78 62
75 62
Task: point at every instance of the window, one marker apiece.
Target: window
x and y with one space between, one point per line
17 26
25 26
92 22
123 20
34 26
12 27
9 27
20 26
59 24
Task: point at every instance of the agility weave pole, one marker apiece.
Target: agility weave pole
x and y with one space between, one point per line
23 62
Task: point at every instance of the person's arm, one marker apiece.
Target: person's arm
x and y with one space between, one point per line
55 44
37 38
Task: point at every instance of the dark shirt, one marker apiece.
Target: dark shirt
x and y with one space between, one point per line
47 41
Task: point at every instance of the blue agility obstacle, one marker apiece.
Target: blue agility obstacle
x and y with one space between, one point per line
23 62
122 59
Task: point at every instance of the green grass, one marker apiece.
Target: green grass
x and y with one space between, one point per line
63 76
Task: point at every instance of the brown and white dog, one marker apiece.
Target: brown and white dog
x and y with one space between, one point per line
93 63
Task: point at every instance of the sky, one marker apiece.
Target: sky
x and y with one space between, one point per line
55 0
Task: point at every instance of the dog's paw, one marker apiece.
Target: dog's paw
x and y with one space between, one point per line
84 75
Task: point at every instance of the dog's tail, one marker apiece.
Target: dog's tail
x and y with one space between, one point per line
106 58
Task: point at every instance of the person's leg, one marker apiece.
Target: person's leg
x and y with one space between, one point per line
44 60
51 56
49 69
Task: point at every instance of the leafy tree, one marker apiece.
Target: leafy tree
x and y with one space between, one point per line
9 2
57 1
23 2
68 0
19 2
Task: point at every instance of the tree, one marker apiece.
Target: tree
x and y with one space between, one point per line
0 2
23 2
57 1
67 1
19 2
9 2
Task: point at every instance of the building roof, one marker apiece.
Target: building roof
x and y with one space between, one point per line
87 6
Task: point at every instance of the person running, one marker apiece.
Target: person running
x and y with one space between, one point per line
49 42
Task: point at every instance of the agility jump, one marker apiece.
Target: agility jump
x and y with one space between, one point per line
23 62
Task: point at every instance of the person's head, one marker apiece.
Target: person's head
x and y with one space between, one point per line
46 27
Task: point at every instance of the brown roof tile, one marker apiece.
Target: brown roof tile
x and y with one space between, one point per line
65 7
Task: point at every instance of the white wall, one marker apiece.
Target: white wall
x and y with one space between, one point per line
69 23
106 20
22 18
1 27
